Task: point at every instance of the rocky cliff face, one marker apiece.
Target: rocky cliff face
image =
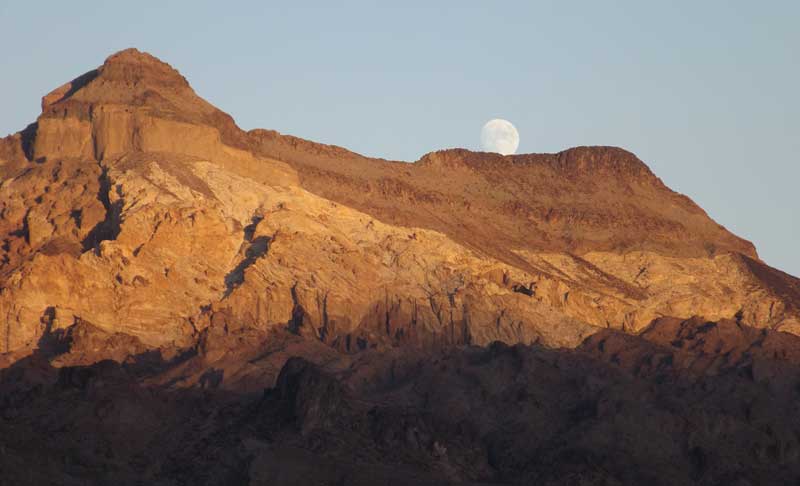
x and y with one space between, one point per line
139 224
135 205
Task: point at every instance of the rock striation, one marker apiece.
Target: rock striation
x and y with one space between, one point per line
134 204
150 246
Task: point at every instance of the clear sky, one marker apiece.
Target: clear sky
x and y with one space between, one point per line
706 93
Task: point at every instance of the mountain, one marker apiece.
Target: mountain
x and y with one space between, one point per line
221 306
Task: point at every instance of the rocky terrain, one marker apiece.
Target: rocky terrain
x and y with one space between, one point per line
184 302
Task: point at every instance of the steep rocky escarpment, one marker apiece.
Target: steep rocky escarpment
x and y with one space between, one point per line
157 211
182 292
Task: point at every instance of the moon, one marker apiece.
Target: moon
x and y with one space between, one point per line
499 136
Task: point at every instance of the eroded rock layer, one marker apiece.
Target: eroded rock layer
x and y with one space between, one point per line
134 204
467 317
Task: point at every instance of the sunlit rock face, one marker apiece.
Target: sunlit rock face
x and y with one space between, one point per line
449 319
134 204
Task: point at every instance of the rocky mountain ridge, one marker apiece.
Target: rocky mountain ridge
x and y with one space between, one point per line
159 260
138 190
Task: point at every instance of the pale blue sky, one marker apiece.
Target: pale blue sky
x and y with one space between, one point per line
706 93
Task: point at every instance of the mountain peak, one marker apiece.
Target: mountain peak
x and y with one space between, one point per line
134 66
125 77
128 104
134 55
153 275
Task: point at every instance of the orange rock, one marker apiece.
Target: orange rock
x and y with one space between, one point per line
146 211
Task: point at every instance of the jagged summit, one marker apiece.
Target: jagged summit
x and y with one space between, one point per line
129 77
124 77
123 105
220 306
133 65
137 206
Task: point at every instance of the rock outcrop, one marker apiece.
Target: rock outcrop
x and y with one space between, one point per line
134 204
468 317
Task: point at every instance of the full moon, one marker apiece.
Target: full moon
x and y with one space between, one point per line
499 136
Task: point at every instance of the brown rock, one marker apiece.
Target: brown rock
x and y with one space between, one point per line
144 209
183 302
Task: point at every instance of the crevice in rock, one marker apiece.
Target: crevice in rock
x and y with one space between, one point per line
387 322
138 249
8 334
322 306
109 228
521 289
77 216
257 249
28 137
466 331
23 232
298 313
250 229
51 342
436 309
